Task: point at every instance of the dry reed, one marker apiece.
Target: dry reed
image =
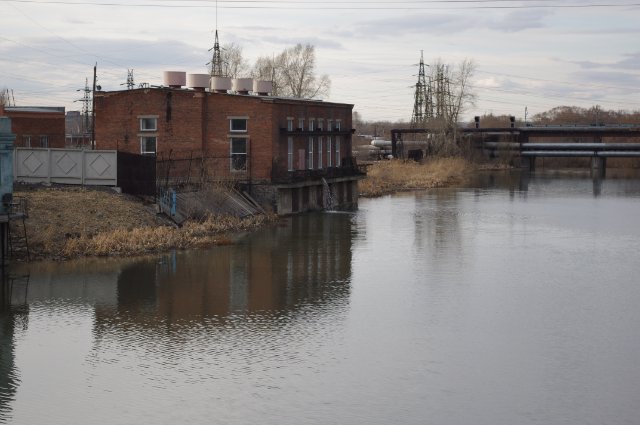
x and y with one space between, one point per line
66 222
392 176
121 242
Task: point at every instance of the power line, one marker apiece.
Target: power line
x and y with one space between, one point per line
406 5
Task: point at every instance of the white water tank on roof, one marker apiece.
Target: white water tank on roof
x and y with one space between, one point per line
242 85
198 81
175 79
221 84
262 88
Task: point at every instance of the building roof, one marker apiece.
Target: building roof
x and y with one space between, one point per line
267 98
36 109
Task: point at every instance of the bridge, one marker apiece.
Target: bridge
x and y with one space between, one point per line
515 141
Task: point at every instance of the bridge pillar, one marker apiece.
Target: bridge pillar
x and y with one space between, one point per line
528 163
598 166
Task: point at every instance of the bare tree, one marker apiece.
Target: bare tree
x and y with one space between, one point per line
5 97
233 64
450 87
293 73
297 68
266 69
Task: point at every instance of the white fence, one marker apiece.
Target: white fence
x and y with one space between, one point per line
68 166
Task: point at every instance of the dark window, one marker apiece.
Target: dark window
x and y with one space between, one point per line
238 124
238 154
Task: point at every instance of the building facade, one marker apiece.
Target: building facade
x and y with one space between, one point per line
36 126
290 154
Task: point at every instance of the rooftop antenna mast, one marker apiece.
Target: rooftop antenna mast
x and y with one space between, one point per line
216 59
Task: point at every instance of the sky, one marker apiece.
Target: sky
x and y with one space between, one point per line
530 55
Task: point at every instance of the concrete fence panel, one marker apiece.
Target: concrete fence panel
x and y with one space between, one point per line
66 166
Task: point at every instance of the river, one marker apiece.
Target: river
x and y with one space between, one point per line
512 301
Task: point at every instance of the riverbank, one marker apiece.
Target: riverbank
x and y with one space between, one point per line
385 177
71 222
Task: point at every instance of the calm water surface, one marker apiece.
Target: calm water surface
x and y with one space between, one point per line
514 302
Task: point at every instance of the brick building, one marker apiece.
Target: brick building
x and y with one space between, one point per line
290 154
36 126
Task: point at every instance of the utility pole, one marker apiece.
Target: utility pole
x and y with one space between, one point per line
93 108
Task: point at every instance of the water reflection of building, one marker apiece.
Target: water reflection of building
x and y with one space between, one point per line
307 260
13 315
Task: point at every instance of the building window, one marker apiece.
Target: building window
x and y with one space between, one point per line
329 151
329 124
320 152
238 153
320 124
300 124
238 125
337 150
310 153
312 124
44 141
289 124
26 141
338 124
148 145
290 153
148 123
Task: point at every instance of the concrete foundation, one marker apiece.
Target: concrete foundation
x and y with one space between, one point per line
284 199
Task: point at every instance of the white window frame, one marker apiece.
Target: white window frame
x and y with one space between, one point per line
329 124
26 141
338 125
310 154
338 159
143 144
290 153
320 124
143 120
246 124
312 124
233 154
289 124
44 141
329 161
320 152
301 123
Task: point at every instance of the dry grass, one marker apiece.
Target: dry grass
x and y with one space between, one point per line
391 176
163 238
69 222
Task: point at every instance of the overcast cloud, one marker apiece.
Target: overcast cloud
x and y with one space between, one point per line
536 58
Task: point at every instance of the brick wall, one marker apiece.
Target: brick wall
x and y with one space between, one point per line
198 124
36 127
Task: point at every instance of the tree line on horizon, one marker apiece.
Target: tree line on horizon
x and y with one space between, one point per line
559 115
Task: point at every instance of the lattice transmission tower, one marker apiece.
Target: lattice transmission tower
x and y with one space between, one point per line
130 83
423 103
86 106
216 59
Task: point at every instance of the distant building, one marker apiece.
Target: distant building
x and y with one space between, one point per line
78 129
36 126
290 154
